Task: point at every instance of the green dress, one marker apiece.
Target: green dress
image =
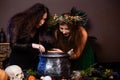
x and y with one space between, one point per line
85 60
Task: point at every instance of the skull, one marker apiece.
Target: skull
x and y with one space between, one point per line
14 72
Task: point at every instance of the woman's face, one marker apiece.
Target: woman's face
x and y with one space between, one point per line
64 30
42 21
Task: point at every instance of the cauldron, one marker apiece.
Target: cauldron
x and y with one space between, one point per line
54 65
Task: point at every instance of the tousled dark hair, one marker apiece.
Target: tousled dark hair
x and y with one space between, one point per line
26 21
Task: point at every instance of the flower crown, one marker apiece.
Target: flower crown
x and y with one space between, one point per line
67 18
72 17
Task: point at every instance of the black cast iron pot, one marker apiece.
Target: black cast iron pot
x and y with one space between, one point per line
54 65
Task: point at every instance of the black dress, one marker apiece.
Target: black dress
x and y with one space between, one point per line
22 53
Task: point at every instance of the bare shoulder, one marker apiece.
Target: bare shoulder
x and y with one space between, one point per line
84 32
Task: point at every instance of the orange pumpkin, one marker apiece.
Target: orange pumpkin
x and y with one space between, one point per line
31 77
3 75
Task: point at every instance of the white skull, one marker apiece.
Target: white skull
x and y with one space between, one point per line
14 72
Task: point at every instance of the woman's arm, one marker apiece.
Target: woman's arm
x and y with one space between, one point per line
81 45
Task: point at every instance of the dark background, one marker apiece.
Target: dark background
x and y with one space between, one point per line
103 15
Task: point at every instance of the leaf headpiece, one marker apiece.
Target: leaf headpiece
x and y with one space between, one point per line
73 17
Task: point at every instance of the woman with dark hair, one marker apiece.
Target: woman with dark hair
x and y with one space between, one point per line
26 29
72 38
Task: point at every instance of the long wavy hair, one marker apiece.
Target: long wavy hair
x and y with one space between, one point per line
72 41
25 22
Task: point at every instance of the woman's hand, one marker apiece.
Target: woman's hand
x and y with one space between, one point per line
39 46
55 50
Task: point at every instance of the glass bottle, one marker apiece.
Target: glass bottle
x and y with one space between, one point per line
2 36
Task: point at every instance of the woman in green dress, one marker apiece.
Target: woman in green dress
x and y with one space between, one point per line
72 38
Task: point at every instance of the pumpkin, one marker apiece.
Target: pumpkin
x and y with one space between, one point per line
3 75
31 77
